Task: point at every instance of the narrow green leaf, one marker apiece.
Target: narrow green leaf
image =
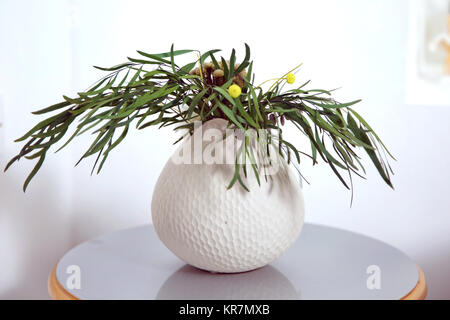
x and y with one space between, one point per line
226 71
245 62
336 105
230 115
246 115
118 141
34 171
172 61
207 54
117 67
225 94
256 103
232 63
294 149
359 132
173 53
142 61
187 68
195 101
40 125
52 108
364 122
146 98
214 61
154 57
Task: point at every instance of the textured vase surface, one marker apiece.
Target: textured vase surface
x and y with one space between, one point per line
220 230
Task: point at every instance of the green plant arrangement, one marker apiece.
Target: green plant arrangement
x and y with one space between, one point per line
153 90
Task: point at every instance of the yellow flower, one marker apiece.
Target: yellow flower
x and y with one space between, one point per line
290 78
234 90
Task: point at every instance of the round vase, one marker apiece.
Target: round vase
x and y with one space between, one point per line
225 230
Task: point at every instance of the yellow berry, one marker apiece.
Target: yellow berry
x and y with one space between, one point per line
290 78
234 90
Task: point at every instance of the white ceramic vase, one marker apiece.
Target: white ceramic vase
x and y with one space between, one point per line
220 230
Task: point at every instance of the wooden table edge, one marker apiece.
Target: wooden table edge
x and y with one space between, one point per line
58 292
420 290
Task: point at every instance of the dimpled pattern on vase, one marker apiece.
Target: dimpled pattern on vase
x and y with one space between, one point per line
220 230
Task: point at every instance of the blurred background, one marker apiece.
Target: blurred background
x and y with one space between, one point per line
391 54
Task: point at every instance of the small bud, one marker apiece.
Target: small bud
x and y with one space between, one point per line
290 78
218 73
234 90
272 119
208 66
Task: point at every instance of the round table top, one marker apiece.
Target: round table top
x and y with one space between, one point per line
324 263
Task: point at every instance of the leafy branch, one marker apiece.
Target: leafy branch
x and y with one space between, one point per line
153 90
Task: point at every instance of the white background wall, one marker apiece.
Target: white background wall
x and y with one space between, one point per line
47 49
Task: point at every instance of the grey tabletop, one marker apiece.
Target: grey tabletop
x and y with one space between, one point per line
324 263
